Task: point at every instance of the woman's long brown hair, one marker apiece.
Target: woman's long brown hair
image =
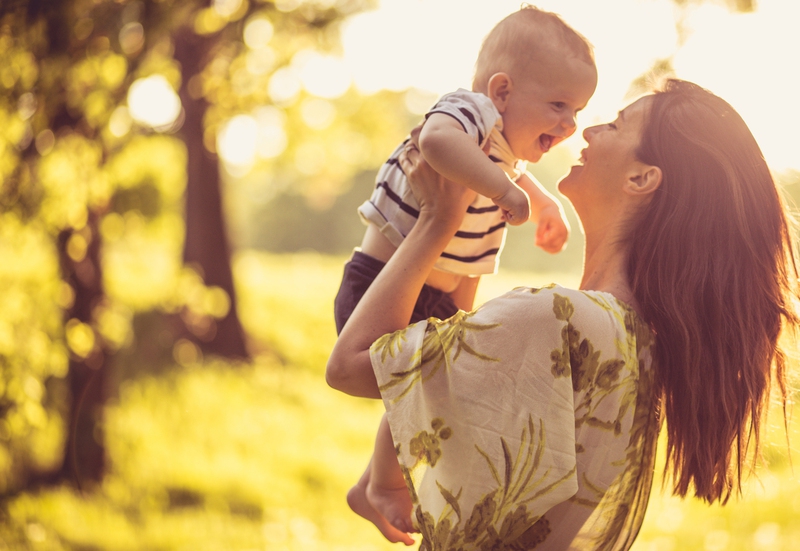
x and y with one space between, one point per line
712 267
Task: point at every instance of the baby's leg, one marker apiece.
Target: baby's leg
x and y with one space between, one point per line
359 503
386 487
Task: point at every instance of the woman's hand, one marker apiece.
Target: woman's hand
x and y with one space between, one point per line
437 196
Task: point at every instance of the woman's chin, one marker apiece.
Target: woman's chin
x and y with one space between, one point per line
565 183
574 171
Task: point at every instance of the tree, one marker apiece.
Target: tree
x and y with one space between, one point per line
206 245
92 201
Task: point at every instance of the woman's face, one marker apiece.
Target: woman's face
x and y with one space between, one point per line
608 160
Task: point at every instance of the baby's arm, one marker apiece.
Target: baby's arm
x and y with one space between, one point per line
547 213
453 154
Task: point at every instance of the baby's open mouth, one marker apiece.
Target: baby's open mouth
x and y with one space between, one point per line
545 140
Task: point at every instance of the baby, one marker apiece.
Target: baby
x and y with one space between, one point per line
534 73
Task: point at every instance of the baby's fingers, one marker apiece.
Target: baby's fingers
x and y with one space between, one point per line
550 239
515 218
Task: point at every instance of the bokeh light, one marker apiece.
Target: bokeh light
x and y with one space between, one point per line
153 102
131 37
260 61
272 139
317 113
322 75
226 8
120 122
236 142
284 86
258 31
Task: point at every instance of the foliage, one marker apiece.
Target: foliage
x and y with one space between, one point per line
78 168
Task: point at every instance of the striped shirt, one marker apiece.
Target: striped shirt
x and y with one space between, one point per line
476 247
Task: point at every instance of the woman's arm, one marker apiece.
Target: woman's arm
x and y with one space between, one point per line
388 303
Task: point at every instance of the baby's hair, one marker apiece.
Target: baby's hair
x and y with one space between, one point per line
514 40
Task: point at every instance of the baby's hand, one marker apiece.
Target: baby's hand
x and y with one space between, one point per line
553 229
515 204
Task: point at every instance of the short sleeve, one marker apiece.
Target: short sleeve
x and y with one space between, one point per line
473 110
483 423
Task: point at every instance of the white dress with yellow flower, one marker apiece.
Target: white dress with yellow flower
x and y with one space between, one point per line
528 423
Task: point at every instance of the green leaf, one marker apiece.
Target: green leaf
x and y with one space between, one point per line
451 500
508 465
491 466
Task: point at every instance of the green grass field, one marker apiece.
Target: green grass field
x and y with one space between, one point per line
215 456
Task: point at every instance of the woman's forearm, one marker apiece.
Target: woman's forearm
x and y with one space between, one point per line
387 305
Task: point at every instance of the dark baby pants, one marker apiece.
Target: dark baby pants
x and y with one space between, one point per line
359 273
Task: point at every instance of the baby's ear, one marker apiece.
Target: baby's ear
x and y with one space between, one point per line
643 179
499 90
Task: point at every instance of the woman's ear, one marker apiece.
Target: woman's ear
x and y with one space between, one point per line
499 90
643 180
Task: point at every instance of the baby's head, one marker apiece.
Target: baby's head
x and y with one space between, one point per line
539 72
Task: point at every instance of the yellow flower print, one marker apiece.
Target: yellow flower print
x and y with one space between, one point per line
425 445
608 373
441 339
562 307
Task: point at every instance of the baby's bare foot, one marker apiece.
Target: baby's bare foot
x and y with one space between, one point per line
393 504
358 502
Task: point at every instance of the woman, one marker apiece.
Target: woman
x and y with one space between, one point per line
532 422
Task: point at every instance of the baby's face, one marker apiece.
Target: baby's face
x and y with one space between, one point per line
541 108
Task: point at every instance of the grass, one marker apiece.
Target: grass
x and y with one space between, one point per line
215 456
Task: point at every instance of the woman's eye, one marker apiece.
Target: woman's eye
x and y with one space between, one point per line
612 126
559 104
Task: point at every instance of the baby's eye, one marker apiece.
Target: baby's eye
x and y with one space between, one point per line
559 104
612 126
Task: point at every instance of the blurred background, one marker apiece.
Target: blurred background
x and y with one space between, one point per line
179 184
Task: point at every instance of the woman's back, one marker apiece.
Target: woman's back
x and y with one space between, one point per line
539 398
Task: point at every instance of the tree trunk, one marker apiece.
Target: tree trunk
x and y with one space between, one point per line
206 246
84 455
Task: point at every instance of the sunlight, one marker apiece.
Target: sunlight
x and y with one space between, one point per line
317 113
439 58
404 44
227 8
748 59
258 31
120 122
80 337
236 142
757 74
259 61
321 75
131 37
271 139
284 86
262 134
153 102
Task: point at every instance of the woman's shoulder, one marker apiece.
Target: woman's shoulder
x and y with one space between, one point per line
563 298
586 308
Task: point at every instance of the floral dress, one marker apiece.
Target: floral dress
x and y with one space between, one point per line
530 423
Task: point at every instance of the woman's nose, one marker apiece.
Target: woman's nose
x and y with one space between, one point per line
590 132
